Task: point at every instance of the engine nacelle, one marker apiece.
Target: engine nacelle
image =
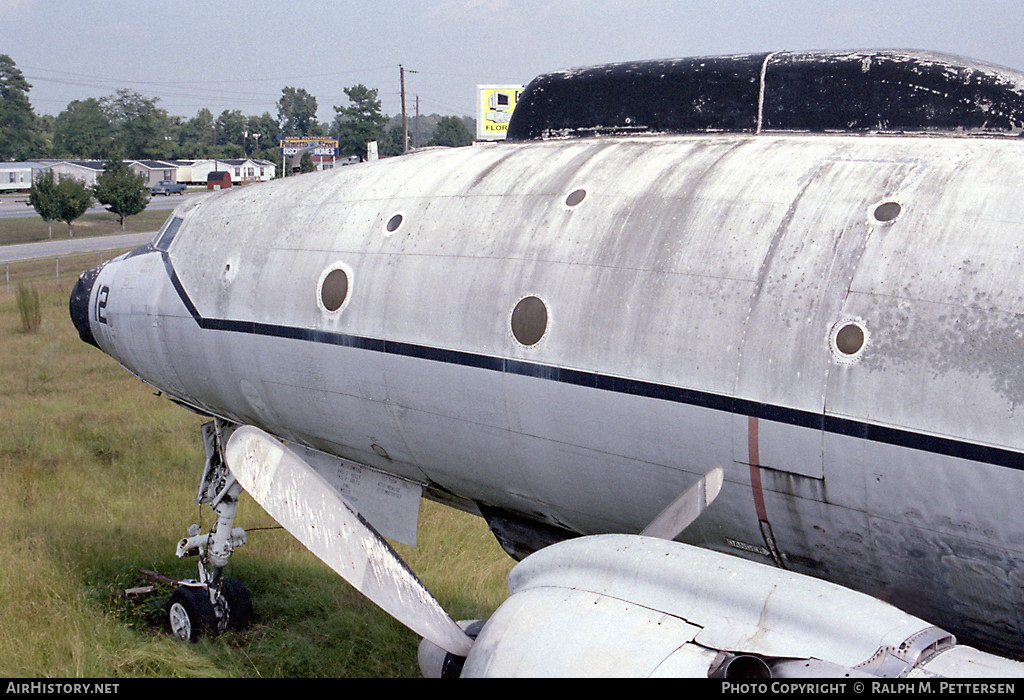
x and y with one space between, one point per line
621 605
435 662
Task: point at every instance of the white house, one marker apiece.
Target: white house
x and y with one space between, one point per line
85 170
331 162
241 170
154 170
17 177
183 170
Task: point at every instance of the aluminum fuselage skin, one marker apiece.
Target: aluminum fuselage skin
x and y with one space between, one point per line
693 301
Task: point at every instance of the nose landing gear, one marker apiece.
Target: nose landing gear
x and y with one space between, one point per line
212 604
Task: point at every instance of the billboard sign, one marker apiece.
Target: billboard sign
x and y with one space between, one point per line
321 145
494 106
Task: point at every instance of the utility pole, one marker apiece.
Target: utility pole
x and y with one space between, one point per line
405 120
417 141
405 117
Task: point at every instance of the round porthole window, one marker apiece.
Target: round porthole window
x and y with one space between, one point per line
529 321
394 223
575 197
886 212
848 340
333 289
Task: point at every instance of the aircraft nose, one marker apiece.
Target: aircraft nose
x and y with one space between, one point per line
79 304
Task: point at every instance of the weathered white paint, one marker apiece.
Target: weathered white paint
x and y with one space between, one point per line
715 264
618 605
302 501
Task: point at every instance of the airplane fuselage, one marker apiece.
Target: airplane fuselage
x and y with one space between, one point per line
836 320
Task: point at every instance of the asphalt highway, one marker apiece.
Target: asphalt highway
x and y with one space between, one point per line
71 246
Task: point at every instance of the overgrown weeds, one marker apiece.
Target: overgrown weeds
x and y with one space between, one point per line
29 308
98 480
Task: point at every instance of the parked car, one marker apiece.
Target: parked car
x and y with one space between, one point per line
167 188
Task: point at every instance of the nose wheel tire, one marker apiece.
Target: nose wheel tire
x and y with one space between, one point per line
239 604
190 613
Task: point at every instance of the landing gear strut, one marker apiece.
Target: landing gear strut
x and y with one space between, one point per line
211 603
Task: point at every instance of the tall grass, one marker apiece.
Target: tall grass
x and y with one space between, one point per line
98 479
28 308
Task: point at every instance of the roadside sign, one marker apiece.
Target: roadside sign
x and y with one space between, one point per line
494 107
321 145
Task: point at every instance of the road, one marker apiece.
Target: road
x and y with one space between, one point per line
71 246
14 207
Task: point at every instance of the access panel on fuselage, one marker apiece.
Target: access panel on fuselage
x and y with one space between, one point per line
798 299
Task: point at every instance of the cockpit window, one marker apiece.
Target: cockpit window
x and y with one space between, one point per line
167 233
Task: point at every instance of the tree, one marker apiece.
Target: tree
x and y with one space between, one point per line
230 127
195 137
19 137
393 143
44 130
359 123
122 191
266 145
65 200
43 197
140 127
83 131
451 131
72 200
173 137
296 113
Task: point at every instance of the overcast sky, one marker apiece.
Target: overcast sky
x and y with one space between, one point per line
239 54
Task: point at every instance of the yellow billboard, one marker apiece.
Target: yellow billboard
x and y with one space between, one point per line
494 106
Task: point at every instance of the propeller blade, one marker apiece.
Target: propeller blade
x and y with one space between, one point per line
308 507
687 508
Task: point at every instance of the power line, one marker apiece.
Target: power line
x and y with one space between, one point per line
184 89
189 83
186 95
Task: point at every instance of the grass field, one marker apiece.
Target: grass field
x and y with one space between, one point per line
98 480
32 228
62 271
